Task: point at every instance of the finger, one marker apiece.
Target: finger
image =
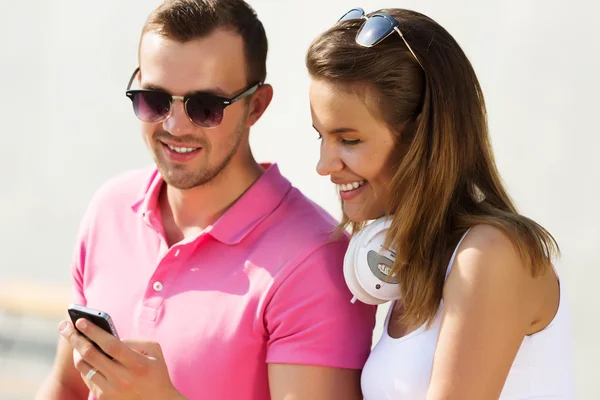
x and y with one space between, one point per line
108 343
92 377
88 352
151 350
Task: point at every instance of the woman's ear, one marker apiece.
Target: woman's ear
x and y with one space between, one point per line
408 131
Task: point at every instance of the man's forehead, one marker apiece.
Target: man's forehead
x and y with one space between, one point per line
220 41
211 62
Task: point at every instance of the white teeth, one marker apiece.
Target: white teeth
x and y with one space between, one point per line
182 149
350 186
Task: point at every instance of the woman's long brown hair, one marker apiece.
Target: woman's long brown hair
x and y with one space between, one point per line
448 180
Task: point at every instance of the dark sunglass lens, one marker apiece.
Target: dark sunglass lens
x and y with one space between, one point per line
151 106
205 110
352 14
374 30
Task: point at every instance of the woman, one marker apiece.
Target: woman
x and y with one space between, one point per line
402 120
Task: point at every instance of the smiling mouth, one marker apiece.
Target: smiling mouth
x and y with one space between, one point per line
346 187
182 150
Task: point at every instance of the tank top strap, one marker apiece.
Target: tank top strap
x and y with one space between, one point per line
449 268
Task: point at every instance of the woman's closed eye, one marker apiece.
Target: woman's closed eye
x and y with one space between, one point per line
350 142
344 141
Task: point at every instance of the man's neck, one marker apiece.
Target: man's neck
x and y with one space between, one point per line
186 213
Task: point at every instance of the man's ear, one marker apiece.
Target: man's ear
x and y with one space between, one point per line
259 102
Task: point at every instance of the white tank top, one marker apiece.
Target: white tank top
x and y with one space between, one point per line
401 368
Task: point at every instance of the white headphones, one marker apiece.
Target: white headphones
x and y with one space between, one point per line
367 265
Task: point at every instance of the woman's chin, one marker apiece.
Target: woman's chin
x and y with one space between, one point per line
361 215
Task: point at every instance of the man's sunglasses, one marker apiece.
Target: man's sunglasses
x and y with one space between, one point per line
376 28
203 109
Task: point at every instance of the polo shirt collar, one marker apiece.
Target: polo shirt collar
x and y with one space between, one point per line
240 219
147 204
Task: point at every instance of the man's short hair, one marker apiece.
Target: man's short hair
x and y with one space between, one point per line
186 20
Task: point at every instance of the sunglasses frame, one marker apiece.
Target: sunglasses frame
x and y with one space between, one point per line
224 101
393 28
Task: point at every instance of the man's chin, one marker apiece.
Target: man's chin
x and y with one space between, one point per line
179 178
183 186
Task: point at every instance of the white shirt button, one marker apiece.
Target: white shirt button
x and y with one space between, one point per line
158 286
176 252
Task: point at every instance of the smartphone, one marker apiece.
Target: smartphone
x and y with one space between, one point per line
96 317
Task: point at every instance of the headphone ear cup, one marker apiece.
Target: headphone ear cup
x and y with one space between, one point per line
367 263
350 274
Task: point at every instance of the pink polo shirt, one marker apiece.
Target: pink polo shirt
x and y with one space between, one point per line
264 284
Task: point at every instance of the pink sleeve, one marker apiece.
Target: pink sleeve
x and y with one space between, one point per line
310 319
78 259
77 296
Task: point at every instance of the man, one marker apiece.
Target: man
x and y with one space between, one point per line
223 280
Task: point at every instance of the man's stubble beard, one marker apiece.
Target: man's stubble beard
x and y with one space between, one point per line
188 180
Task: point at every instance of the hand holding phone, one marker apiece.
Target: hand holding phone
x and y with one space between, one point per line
96 317
138 370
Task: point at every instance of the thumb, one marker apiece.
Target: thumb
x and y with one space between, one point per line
146 348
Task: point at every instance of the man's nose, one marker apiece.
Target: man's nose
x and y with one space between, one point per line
178 123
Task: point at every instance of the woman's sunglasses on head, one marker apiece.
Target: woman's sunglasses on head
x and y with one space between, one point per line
205 110
376 28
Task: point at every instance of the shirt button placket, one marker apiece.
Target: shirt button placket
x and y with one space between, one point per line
155 297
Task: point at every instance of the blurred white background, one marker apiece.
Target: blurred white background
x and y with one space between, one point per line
67 127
